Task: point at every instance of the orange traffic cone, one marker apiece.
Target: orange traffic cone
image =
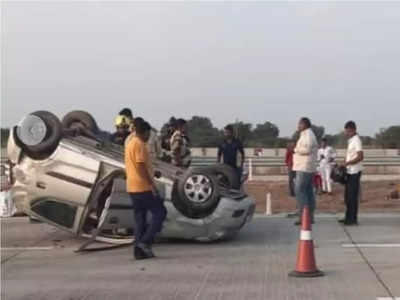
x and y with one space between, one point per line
306 266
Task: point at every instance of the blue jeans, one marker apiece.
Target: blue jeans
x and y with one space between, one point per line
142 204
304 191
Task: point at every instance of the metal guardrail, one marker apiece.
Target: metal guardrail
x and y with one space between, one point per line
279 162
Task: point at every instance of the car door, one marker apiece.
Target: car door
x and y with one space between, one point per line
61 187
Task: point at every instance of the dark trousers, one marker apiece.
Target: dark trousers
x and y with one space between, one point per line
142 204
239 171
351 196
292 177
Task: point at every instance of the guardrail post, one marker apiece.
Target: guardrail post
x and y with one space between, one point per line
250 169
268 204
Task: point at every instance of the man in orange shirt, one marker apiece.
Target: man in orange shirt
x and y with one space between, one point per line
143 192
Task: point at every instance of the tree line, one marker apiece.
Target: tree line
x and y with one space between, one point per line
203 133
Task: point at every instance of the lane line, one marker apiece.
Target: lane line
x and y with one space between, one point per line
371 245
387 298
369 264
26 248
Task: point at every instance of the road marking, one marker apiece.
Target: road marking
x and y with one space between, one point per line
371 246
26 248
387 298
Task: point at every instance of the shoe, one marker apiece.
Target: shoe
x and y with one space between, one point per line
330 194
139 254
342 221
293 215
146 250
350 223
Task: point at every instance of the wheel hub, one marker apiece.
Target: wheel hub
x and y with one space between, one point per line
31 130
198 188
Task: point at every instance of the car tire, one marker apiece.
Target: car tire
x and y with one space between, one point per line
196 194
227 176
81 121
51 138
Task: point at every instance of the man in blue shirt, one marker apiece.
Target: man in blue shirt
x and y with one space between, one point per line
231 151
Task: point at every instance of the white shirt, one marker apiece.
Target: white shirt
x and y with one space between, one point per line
328 155
354 146
305 158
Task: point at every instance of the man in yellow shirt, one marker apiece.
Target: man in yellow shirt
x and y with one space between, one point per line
143 192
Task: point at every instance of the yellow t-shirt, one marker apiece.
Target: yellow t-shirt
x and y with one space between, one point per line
136 152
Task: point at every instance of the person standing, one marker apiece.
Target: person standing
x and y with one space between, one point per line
153 144
138 121
289 164
127 112
143 193
291 174
326 157
305 165
353 164
231 151
179 143
121 133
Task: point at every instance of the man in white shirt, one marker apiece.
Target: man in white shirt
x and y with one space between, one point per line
353 163
305 160
326 157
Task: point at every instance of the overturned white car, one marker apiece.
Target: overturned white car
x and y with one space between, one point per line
69 175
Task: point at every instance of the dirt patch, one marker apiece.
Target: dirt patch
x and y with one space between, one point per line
374 197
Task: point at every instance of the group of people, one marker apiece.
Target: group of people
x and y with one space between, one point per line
174 145
307 162
142 146
303 158
325 162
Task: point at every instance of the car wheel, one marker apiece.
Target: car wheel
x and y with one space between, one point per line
226 175
196 194
82 122
39 134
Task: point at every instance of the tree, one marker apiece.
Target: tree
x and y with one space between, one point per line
368 141
282 142
319 131
202 133
340 140
243 131
264 135
389 137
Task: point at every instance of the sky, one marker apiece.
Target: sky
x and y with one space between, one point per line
256 62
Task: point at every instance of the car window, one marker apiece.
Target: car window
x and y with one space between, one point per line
57 212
